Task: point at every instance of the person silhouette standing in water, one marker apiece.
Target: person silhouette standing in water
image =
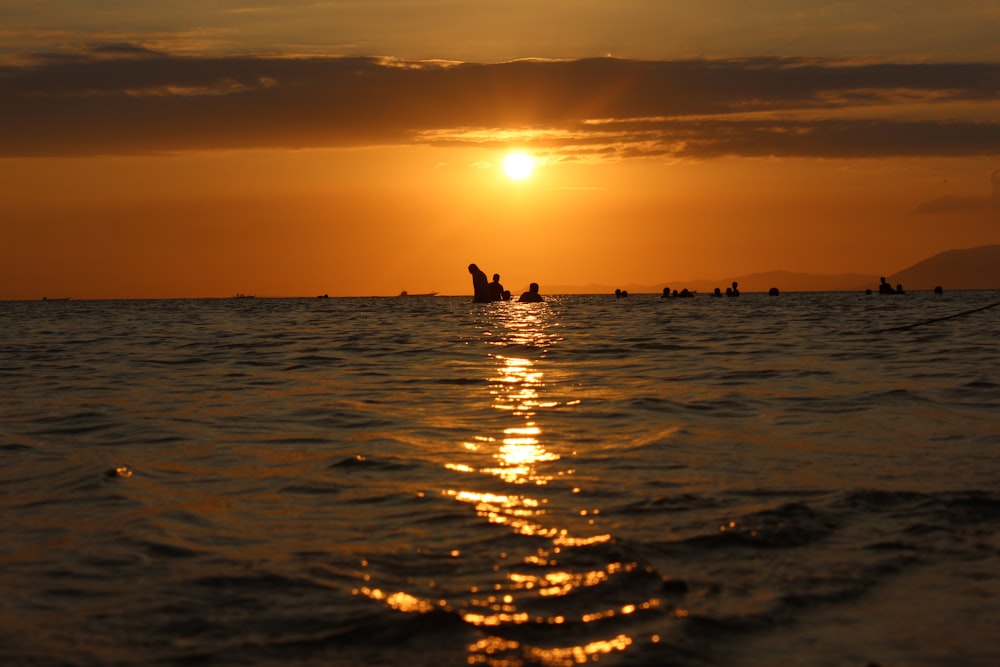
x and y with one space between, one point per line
480 286
496 289
532 295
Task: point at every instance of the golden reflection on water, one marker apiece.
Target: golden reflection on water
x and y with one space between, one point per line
519 457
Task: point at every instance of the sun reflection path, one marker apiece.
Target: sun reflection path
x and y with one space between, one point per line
521 460
538 590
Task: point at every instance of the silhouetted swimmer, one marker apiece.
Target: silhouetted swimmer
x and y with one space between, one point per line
480 286
717 292
684 294
496 289
899 289
938 289
618 294
773 291
532 295
884 287
506 295
735 290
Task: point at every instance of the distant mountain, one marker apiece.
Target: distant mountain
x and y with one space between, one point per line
974 268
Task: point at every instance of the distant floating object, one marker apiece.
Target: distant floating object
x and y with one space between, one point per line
244 296
405 293
118 471
774 291
65 298
323 296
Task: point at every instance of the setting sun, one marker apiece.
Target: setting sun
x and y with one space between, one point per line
518 166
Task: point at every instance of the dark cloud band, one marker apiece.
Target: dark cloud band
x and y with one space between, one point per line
122 99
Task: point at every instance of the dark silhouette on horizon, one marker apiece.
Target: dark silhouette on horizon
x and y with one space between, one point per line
496 289
886 288
532 295
480 285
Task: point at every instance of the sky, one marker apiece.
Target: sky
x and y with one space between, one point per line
356 148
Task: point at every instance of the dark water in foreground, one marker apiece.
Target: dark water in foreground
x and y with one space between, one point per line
424 481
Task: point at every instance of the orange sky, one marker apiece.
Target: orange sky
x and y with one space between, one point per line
213 152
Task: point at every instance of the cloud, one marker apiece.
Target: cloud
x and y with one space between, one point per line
123 99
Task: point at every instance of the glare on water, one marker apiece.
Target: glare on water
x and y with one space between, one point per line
351 481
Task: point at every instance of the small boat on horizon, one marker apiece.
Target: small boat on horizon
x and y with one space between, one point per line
405 293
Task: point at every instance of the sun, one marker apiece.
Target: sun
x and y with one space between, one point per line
518 166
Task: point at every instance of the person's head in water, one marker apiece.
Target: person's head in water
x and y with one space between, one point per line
532 294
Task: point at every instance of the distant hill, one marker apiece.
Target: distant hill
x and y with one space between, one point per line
974 268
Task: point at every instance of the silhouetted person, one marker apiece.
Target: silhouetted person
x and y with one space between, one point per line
480 286
666 293
506 295
938 290
729 291
899 289
717 292
685 294
773 291
496 289
736 290
532 295
884 287
618 294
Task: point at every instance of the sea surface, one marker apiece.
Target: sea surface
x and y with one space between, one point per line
751 481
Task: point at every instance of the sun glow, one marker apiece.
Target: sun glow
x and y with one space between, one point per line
518 166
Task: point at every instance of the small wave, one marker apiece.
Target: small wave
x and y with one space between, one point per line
790 525
365 462
312 489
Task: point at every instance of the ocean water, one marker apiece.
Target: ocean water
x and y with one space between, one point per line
755 481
